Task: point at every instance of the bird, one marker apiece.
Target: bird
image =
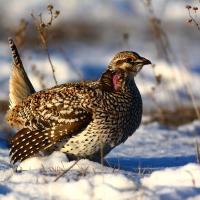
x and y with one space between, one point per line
84 119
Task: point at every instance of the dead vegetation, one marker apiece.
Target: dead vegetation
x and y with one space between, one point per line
42 28
193 12
175 117
178 114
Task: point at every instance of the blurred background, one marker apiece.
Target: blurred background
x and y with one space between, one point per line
81 37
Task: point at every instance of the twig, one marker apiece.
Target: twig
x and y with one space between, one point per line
192 19
42 27
161 40
163 45
63 173
197 152
73 67
52 67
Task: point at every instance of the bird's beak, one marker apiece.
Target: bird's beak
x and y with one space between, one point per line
143 61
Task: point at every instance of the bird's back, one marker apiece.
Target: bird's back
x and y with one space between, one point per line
51 104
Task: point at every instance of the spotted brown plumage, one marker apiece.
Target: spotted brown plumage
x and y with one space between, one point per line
81 119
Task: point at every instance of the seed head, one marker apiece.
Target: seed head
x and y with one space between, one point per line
49 7
195 8
188 7
57 12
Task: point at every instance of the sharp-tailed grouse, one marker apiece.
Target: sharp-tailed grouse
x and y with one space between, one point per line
83 119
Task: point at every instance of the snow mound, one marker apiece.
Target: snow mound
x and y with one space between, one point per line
58 161
108 186
86 180
186 176
178 183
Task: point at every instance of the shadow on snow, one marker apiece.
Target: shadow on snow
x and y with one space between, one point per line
146 165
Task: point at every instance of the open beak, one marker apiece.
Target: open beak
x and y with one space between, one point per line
144 61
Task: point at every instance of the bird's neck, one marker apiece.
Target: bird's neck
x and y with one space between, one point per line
130 85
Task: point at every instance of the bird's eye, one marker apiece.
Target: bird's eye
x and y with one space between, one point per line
130 60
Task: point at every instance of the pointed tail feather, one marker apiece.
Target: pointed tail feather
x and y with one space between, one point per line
20 85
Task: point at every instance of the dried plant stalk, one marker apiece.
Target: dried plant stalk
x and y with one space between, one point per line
67 170
191 18
197 152
42 28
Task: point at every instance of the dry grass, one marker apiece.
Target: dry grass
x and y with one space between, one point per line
180 113
65 171
159 34
165 51
175 117
197 152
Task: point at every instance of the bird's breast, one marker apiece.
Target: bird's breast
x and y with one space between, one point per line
119 112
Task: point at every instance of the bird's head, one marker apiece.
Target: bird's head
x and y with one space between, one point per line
128 61
122 68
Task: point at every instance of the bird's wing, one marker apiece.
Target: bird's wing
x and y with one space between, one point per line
27 143
58 120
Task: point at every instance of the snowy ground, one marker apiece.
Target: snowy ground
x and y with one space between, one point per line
155 163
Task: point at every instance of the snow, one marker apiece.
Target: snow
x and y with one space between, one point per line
45 162
179 183
95 187
186 176
156 162
181 140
